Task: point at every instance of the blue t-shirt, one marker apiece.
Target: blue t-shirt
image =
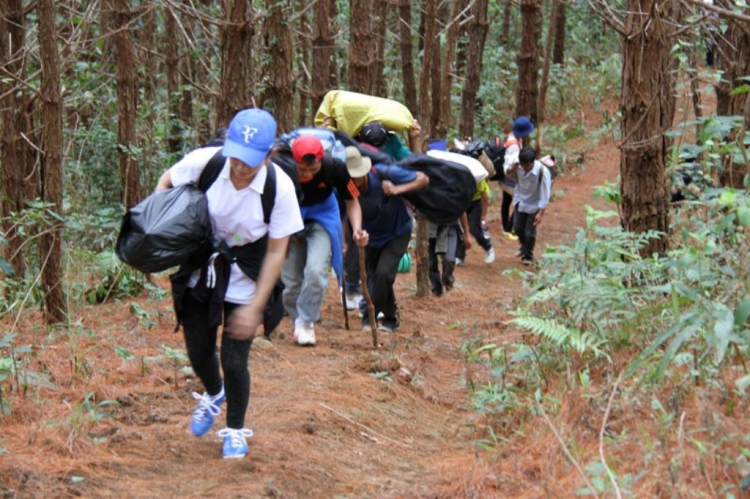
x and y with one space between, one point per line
385 217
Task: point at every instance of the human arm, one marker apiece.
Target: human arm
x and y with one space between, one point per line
545 190
484 191
392 189
244 321
354 213
415 135
464 220
165 182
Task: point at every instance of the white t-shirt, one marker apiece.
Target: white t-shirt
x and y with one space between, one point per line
237 215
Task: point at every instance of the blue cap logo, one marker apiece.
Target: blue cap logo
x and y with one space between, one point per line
250 136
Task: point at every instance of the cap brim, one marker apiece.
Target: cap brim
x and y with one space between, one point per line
362 169
251 157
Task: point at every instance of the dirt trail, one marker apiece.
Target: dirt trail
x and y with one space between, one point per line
337 420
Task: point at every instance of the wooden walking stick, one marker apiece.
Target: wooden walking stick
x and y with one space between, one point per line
368 299
346 310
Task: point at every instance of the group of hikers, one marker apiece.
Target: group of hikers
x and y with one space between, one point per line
277 232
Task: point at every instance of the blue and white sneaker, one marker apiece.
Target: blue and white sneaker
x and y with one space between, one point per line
235 445
208 408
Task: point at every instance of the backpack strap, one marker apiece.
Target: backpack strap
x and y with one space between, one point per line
212 170
268 198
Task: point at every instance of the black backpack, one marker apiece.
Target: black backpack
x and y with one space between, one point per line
495 150
449 193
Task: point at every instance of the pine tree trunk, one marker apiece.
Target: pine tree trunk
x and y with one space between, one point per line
378 81
52 163
13 154
171 59
360 46
647 106
126 98
322 52
527 93
407 57
505 35
236 61
446 104
477 38
558 52
430 44
303 69
554 9
277 39
734 61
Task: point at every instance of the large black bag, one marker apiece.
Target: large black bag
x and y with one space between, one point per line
449 192
164 229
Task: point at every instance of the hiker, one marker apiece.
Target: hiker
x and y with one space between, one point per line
376 135
514 142
305 271
206 289
388 222
477 216
533 188
442 247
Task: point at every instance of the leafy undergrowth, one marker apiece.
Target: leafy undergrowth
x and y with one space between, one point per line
461 402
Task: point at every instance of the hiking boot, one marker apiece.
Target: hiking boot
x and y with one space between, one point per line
203 415
235 443
304 335
352 300
389 325
489 256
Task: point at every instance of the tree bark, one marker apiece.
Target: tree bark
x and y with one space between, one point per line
360 43
126 98
303 69
322 51
558 52
477 38
277 39
647 106
430 44
505 34
171 60
380 31
734 61
554 10
527 93
446 103
236 60
52 163
407 56
13 149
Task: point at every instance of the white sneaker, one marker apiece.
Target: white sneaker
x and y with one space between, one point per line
489 256
352 300
304 335
459 262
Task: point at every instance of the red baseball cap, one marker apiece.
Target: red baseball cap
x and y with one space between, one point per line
307 145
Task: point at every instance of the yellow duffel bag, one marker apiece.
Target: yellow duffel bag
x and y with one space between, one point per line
351 111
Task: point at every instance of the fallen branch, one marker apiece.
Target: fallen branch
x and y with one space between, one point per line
349 420
601 438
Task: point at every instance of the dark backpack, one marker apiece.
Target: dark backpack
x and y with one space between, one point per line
449 193
495 150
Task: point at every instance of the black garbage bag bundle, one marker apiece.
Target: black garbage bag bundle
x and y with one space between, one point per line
165 229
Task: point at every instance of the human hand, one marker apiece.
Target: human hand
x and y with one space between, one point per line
329 122
467 243
538 218
389 188
361 238
416 130
244 321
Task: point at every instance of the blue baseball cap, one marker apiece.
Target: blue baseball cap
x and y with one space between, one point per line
522 127
250 136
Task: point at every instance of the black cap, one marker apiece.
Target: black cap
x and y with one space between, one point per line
373 133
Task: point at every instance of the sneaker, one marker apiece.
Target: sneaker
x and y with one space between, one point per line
235 445
527 261
352 300
459 262
519 253
489 256
365 323
510 236
203 416
389 325
304 335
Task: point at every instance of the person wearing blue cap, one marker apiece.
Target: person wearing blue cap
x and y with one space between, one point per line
514 142
254 210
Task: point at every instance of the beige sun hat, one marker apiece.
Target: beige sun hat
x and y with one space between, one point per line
356 164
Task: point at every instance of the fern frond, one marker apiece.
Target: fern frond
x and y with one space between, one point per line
565 337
